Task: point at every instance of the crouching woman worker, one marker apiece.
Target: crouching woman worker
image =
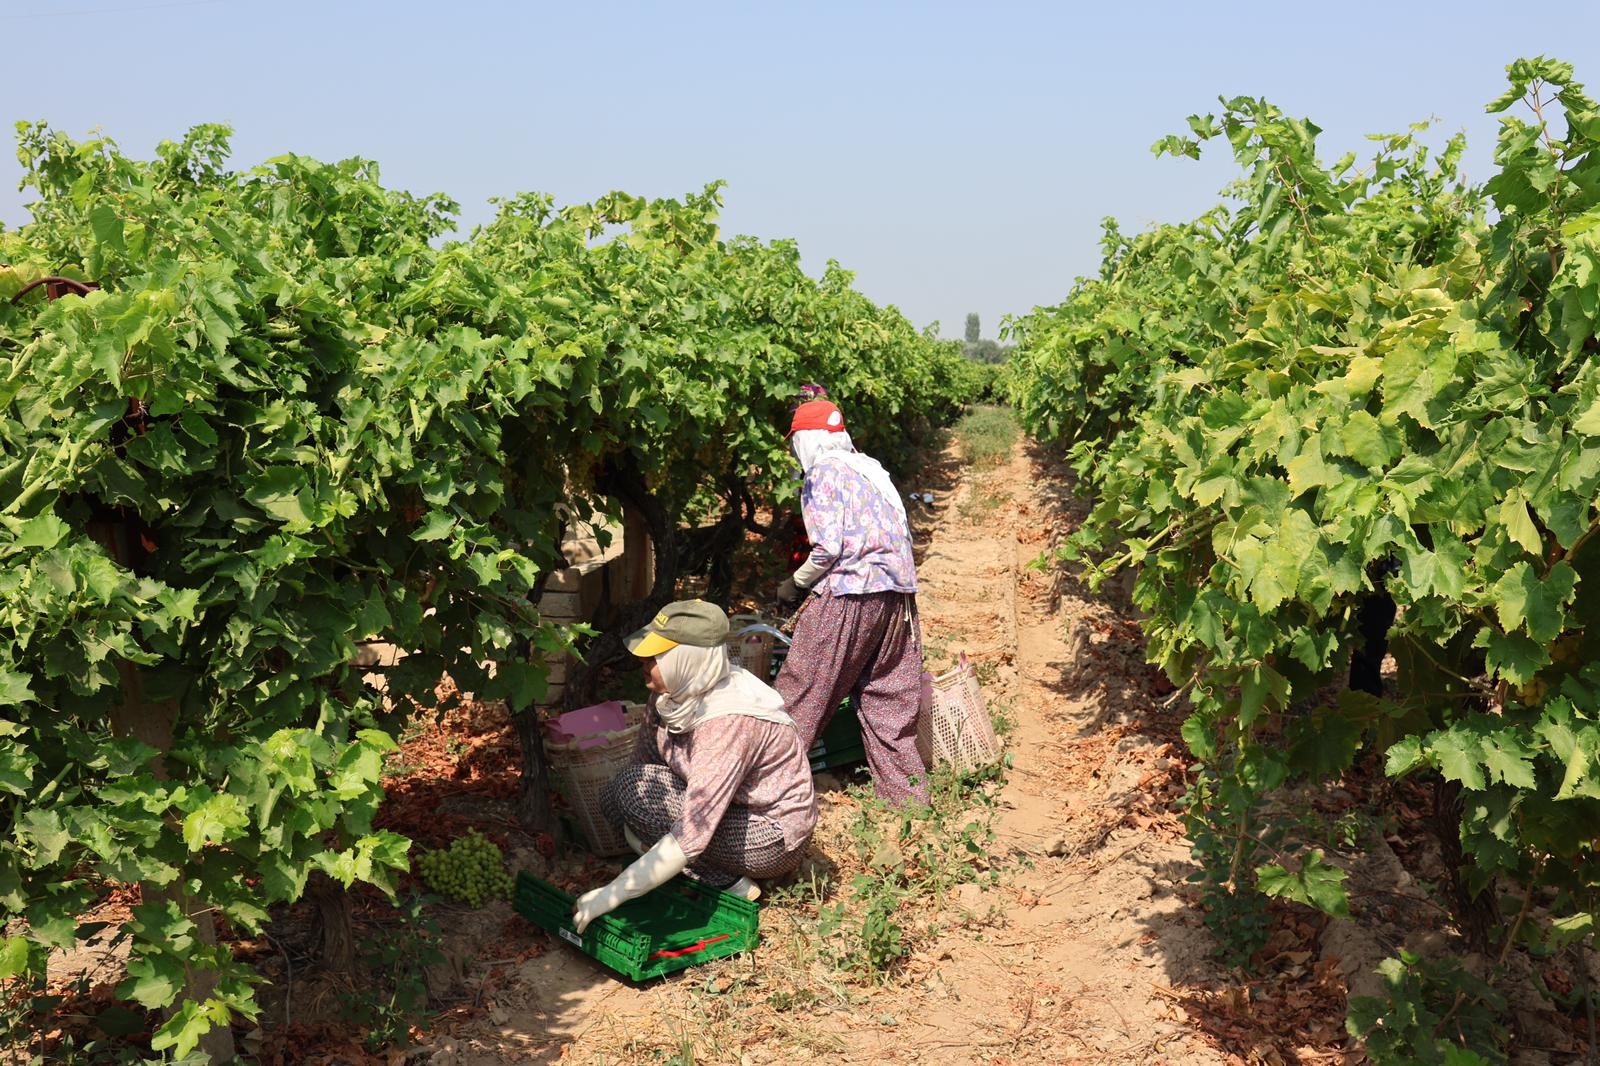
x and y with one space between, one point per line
720 787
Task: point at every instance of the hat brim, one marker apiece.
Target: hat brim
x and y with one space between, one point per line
646 644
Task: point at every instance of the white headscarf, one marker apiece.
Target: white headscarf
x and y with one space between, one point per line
813 446
702 684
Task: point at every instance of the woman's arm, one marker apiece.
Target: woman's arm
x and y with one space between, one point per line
822 507
649 871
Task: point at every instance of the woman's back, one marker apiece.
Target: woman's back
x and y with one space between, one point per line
736 759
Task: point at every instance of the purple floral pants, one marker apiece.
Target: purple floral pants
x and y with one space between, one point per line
868 646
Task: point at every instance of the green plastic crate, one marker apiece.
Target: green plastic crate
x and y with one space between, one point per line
839 744
844 726
678 925
831 759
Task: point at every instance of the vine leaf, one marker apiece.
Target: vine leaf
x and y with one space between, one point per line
1316 884
1523 600
1459 756
1518 522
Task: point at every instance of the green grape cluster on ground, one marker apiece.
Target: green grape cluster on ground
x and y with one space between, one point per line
471 870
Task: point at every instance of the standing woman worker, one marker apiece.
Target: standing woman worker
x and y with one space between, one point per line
720 787
859 632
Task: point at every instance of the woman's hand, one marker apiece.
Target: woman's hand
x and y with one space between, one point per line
593 904
652 869
789 594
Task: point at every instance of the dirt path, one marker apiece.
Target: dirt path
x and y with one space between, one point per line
1070 958
1090 935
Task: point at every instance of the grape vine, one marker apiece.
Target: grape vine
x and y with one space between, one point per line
291 415
1362 389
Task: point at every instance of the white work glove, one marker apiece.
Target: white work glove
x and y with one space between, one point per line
808 574
651 870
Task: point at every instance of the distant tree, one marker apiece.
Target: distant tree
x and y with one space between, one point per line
988 352
979 350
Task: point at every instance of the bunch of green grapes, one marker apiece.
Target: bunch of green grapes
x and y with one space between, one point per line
470 870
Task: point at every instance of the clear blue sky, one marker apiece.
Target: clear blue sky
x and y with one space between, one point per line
958 156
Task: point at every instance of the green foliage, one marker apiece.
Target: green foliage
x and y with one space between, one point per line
986 435
1219 818
1346 383
1431 1013
470 870
1315 883
394 997
292 418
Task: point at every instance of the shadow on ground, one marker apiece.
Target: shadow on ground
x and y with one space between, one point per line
1105 665
1285 1002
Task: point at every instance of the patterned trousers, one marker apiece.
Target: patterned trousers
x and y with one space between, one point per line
868 646
648 797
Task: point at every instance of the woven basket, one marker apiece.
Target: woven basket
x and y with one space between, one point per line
750 642
581 775
953 727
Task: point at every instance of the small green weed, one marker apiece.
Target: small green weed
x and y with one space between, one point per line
836 931
1342 830
912 856
980 503
864 928
684 1056
1004 721
396 997
883 941
414 728
1432 1011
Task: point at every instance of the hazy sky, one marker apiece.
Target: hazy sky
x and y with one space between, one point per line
958 157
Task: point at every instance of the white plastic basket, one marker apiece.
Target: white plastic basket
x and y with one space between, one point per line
582 770
758 647
953 725
750 644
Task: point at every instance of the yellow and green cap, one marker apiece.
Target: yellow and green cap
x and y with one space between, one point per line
693 622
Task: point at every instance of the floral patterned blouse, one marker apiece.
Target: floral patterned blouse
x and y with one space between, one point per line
856 534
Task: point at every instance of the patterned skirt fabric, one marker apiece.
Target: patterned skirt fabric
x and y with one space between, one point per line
649 799
868 646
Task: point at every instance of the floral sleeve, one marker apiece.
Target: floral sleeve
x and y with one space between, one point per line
819 506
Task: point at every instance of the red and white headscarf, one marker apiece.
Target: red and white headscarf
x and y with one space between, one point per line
813 446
